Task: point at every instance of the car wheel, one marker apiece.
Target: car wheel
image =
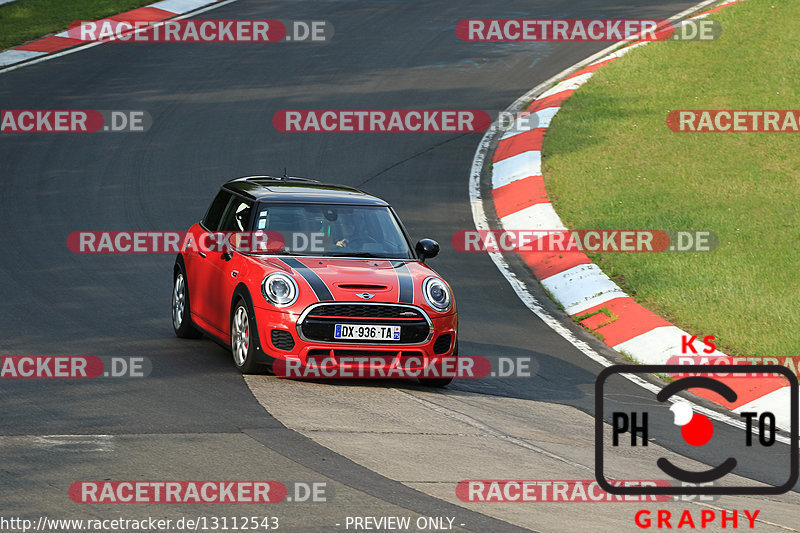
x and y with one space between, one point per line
439 382
181 312
243 344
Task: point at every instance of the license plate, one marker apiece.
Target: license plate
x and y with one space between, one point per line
366 332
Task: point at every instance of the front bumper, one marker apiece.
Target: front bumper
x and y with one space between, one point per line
435 350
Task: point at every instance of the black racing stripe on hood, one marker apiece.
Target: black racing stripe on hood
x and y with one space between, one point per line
405 283
317 285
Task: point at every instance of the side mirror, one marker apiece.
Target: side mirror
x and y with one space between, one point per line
426 249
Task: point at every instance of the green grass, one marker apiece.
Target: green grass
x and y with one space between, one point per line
628 357
611 162
27 20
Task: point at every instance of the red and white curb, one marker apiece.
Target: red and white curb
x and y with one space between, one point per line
164 10
521 203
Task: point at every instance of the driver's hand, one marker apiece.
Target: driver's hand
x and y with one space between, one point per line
343 243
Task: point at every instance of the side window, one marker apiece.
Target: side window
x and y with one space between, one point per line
236 216
214 213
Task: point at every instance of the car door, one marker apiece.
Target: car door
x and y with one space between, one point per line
195 256
224 266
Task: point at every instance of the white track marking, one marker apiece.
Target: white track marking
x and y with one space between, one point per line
536 217
659 344
15 56
619 53
540 119
571 287
179 7
775 402
64 443
517 167
567 85
48 57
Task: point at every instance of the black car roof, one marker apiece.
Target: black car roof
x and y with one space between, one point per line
299 190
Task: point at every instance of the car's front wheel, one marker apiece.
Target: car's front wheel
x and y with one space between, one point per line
243 345
181 312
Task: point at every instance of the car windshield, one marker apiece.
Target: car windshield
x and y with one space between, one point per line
332 230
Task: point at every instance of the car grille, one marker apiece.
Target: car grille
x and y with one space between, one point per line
372 311
319 323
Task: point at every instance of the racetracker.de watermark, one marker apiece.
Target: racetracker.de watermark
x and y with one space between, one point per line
559 241
567 491
734 121
552 491
790 362
172 242
73 367
74 121
179 492
381 120
182 492
390 366
598 30
401 121
201 31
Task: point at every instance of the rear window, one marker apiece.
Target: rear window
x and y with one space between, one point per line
214 214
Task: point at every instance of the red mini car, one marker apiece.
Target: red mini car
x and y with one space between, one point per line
295 274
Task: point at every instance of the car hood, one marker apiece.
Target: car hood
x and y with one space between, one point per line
372 280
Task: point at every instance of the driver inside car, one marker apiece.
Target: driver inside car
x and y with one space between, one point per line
348 232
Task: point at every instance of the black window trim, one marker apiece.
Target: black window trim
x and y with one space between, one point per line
224 211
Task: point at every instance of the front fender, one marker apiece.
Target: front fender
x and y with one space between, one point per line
242 292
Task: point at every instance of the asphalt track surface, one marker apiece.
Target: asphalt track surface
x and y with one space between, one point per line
212 106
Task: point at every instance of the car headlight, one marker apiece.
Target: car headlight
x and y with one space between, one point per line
279 289
437 294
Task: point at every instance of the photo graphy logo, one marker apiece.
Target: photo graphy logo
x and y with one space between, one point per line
668 416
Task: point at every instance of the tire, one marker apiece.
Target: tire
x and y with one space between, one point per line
243 343
439 382
181 312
